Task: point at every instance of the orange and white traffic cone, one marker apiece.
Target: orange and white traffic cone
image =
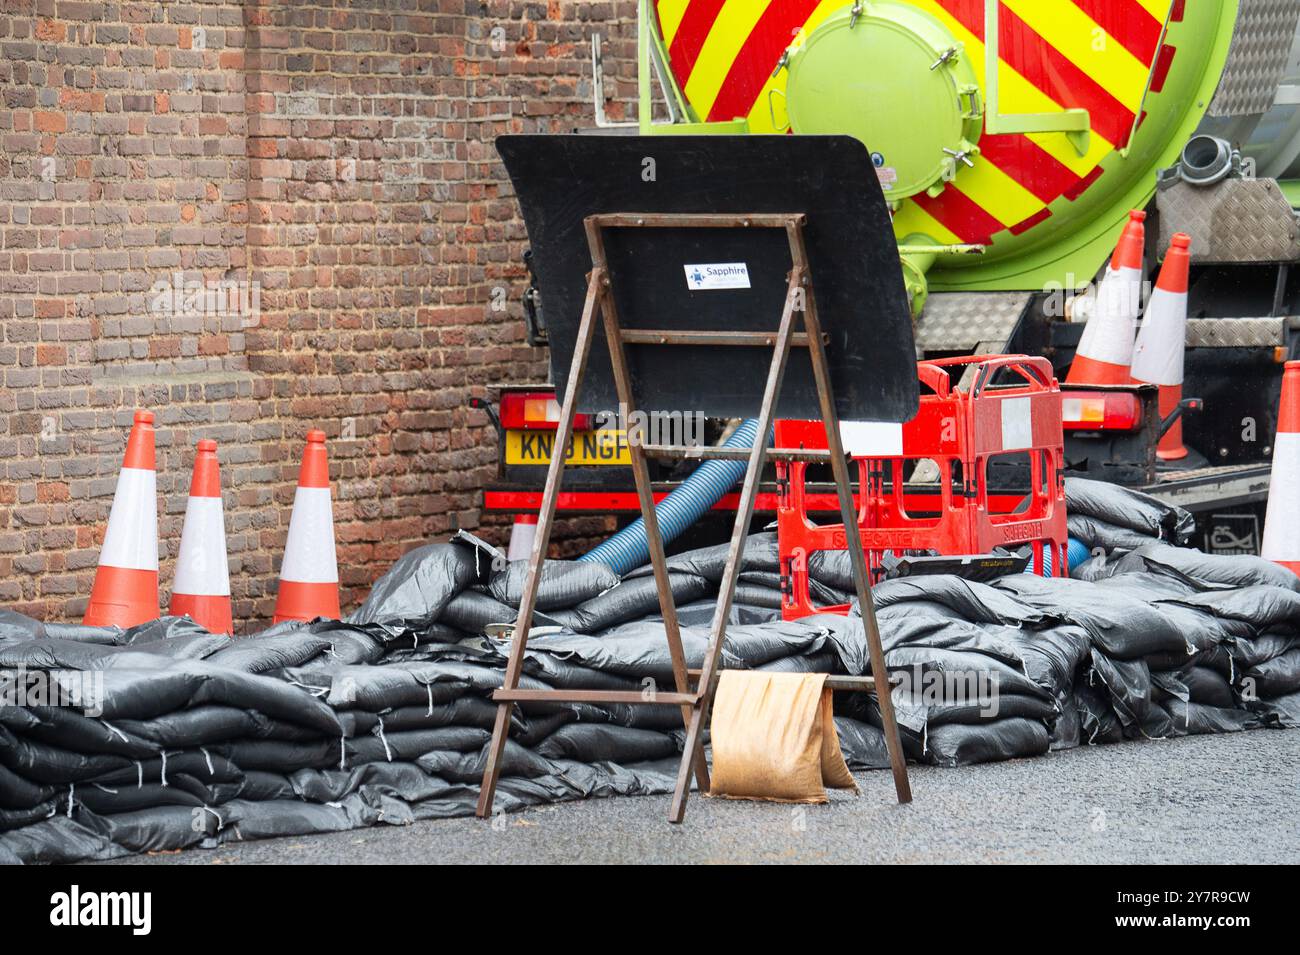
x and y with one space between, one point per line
522 535
1106 347
1282 519
202 585
309 575
126 584
1158 352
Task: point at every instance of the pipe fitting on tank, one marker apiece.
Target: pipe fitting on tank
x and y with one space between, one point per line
1207 159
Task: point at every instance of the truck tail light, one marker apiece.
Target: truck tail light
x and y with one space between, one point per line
1100 411
536 411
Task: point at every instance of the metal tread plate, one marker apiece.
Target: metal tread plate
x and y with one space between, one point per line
1257 58
1237 220
962 321
1236 332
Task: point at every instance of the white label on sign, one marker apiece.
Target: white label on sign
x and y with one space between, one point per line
888 177
882 439
1017 426
717 275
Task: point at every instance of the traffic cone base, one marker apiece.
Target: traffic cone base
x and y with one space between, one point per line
125 592
1090 371
304 601
1171 446
211 611
122 597
309 576
202 585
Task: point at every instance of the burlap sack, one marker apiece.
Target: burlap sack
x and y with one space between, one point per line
774 738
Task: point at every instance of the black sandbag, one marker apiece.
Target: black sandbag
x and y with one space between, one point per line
472 611
640 651
564 583
1126 507
104 800
961 744
1279 676
15 627
1211 570
630 600
699 613
597 742
1251 651
820 594
17 792
178 637
1197 684
66 728
379 688
1254 608
757 596
411 744
1122 625
862 744
43 763
1094 533
963 672
968 599
761 553
269 652
1098 721
1193 719
415 590
1281 711
50 653
1128 683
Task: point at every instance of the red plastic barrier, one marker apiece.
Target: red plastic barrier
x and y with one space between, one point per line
1011 408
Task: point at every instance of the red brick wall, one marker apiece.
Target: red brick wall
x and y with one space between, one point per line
338 157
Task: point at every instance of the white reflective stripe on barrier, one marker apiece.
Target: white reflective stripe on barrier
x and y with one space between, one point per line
309 551
132 538
872 438
1017 423
1282 520
201 568
1162 340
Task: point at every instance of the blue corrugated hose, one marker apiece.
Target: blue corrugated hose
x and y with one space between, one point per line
1076 552
628 549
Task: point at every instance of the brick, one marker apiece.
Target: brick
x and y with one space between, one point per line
306 149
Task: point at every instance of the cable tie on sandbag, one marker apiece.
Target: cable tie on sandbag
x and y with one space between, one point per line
221 823
103 788
429 688
114 729
343 752
388 753
139 774
208 756
162 773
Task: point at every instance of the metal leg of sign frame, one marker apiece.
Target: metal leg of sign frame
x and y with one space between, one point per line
694 703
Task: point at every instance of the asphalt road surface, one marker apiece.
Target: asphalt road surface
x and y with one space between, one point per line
1208 799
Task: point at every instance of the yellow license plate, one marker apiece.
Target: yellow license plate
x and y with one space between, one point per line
587 448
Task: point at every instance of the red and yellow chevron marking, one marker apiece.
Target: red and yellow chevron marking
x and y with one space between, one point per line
1054 54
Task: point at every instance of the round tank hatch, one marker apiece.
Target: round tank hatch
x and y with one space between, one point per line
895 78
